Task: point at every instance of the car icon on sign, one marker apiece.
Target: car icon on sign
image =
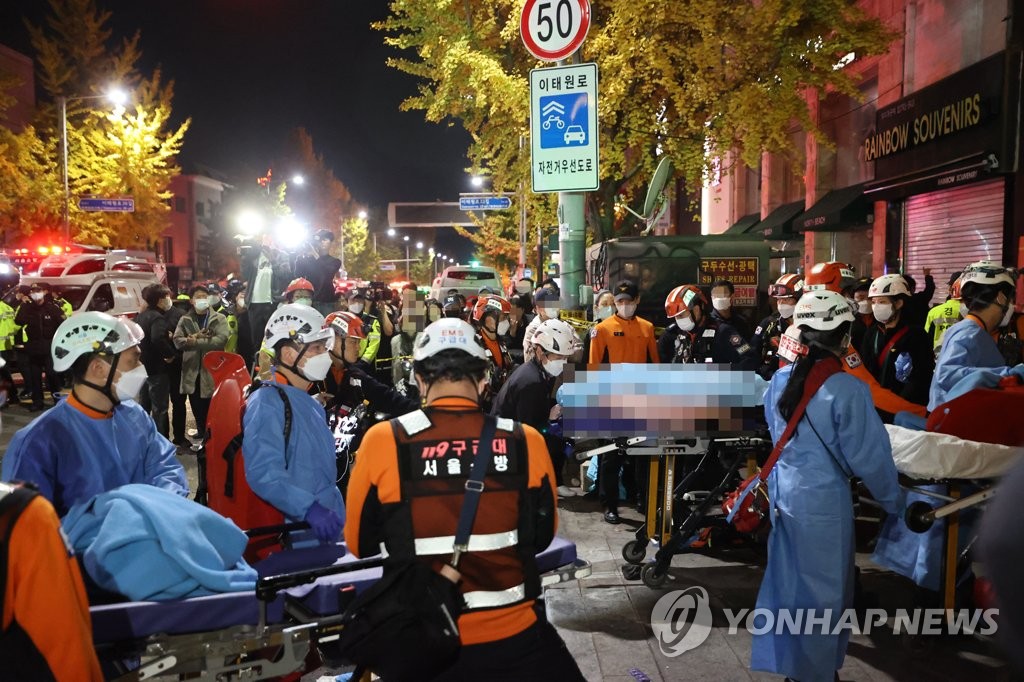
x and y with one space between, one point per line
575 134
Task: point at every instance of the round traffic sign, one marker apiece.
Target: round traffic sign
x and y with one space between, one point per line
553 29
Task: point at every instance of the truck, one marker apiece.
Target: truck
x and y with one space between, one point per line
658 264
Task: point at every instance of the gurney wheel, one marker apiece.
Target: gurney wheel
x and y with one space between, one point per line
919 516
649 574
634 552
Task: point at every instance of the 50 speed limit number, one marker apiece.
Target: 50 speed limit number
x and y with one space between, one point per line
554 29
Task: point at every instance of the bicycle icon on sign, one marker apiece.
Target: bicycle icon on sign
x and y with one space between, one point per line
554 111
559 123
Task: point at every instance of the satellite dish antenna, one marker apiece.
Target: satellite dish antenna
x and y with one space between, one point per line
657 199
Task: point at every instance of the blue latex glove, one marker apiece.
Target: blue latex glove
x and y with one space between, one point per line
904 366
1018 370
326 524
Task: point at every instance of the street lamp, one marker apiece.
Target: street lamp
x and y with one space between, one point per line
298 180
115 96
362 215
477 181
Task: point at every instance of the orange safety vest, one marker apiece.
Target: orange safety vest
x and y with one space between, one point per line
406 498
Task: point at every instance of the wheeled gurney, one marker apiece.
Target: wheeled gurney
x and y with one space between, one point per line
263 633
924 457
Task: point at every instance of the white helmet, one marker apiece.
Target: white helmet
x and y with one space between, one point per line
446 334
889 285
295 322
557 336
987 273
92 332
822 311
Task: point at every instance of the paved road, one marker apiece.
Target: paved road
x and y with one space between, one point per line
605 619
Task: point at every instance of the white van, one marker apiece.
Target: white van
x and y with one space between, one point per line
467 280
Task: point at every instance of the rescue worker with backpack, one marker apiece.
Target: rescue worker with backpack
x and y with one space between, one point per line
811 544
764 345
46 633
98 438
407 494
296 475
896 352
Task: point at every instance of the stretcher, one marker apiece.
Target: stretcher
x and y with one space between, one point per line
678 515
264 633
924 457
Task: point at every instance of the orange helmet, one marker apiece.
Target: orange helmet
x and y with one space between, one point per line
298 284
346 324
682 298
787 286
489 302
832 276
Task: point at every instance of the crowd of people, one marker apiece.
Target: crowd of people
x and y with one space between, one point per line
848 354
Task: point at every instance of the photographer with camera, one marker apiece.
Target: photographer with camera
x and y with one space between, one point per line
268 271
369 346
320 268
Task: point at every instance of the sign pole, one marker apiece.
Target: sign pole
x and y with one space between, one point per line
572 239
522 212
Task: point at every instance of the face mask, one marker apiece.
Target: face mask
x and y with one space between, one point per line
128 386
1007 316
201 304
721 304
503 327
786 310
304 301
604 312
864 307
882 311
523 288
37 295
316 367
964 310
551 312
685 323
356 308
164 304
555 367
625 310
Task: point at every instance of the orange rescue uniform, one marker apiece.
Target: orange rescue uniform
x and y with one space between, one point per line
884 399
618 340
376 505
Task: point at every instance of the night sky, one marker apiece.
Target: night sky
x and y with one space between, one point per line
249 71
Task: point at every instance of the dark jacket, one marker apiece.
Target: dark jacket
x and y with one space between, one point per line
914 344
156 345
281 274
712 341
320 272
735 321
916 309
527 396
40 321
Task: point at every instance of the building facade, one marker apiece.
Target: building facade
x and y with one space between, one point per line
922 172
196 199
19 66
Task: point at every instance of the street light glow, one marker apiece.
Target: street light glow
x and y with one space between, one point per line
391 232
362 215
117 97
290 233
298 180
477 181
249 222
405 238
419 245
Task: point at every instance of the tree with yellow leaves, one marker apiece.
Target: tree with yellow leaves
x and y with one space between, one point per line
691 79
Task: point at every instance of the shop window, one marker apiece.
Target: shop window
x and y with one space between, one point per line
846 122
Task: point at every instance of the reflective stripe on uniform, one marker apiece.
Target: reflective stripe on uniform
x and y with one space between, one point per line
478 542
485 600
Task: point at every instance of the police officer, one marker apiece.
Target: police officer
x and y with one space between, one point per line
764 345
945 315
407 495
454 305
722 292
898 354
40 317
698 337
369 346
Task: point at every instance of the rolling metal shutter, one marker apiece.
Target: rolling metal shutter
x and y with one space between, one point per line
948 229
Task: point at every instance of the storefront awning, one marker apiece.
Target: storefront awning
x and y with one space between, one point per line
976 168
840 209
779 223
744 224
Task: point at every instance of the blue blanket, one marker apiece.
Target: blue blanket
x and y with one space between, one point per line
150 544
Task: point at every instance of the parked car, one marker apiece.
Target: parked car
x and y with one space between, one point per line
117 293
467 280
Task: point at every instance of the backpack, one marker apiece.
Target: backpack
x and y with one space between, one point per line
229 493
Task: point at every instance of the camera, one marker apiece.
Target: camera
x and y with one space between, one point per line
377 291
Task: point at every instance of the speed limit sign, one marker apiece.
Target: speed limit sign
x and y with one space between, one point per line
554 29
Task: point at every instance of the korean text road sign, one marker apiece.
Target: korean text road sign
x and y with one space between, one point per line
554 29
485 203
563 128
124 205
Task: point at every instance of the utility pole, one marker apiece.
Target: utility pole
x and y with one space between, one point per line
522 211
344 275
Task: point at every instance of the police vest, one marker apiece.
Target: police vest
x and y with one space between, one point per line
435 450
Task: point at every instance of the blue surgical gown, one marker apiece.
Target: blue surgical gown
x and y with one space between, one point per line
968 352
290 481
73 457
811 545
